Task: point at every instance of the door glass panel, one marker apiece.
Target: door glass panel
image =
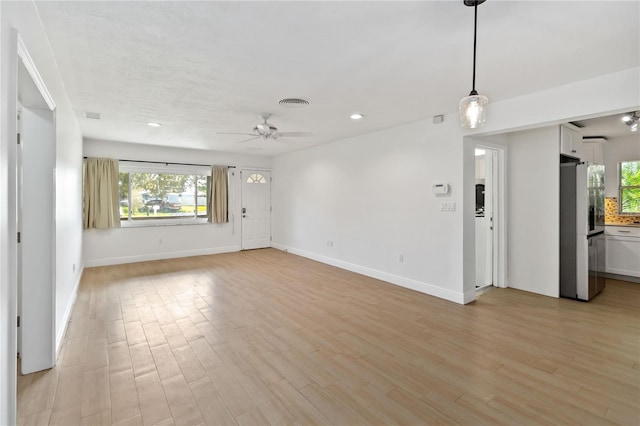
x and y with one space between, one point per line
256 178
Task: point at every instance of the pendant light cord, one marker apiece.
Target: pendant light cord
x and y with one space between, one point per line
475 26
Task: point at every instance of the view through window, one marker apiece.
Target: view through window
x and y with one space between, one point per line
149 196
629 174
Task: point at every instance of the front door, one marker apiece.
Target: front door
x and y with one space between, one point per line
256 209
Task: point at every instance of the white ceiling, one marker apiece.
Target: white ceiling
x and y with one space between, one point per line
612 127
205 67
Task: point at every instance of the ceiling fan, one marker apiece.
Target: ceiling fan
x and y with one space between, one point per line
266 130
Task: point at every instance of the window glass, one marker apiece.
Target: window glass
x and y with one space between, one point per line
256 178
149 196
629 174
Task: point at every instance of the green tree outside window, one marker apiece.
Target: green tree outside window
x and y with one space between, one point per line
629 173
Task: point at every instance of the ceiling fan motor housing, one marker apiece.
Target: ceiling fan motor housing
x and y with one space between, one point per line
265 129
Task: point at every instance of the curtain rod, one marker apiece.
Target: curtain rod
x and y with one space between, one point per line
168 162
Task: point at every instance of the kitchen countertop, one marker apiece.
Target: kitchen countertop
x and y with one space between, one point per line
632 225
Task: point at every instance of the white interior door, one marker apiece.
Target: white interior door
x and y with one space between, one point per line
486 217
36 221
256 209
489 213
19 226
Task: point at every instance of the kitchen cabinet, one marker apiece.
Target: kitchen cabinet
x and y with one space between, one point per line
570 141
592 152
623 250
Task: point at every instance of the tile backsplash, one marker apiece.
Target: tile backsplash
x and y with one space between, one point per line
611 215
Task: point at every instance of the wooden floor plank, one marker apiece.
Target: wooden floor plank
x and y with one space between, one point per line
265 337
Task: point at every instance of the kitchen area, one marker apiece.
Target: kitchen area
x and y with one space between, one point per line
599 204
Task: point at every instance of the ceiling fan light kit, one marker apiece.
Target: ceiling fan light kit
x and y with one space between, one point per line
473 111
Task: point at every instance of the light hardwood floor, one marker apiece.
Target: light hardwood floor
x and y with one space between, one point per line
265 337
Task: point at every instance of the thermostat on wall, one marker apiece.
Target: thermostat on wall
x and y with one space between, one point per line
441 188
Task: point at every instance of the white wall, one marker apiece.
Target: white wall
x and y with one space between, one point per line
626 148
533 205
371 195
124 245
23 17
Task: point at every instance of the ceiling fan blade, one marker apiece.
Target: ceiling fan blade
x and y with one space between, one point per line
250 139
286 141
244 134
295 134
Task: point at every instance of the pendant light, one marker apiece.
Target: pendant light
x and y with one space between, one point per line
473 107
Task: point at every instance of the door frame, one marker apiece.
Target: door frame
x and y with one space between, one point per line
242 177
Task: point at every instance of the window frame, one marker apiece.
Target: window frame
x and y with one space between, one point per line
621 188
166 168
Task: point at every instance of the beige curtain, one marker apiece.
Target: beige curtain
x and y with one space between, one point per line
218 208
101 187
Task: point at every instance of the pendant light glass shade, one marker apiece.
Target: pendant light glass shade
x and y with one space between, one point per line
473 111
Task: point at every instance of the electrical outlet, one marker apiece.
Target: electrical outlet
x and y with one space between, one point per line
329 243
160 242
401 258
73 267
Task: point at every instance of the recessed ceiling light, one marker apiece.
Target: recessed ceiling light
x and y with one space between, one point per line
356 116
154 124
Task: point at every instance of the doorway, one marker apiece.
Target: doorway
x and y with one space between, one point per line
35 219
486 198
256 209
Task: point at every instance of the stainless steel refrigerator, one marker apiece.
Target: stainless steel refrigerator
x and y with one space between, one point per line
582 244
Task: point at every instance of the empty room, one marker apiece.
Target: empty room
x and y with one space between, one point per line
323 212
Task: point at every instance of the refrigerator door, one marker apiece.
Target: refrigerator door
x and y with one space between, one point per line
568 238
583 271
582 200
590 266
595 178
600 242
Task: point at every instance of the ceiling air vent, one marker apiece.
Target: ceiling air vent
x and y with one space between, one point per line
92 115
294 102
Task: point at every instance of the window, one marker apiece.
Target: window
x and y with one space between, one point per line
163 194
256 178
629 196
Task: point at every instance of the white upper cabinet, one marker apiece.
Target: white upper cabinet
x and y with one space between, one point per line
593 152
570 141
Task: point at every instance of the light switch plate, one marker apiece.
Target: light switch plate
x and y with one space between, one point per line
448 206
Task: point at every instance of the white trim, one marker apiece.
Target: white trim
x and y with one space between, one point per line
173 221
67 314
409 283
160 256
626 272
23 54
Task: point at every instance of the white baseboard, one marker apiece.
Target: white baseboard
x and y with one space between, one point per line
159 256
67 313
622 272
409 283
